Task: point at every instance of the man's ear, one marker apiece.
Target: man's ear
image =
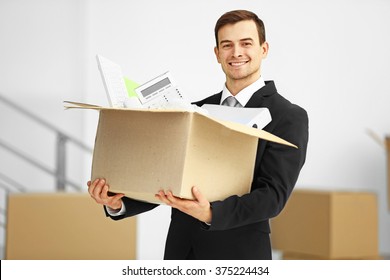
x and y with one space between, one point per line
216 51
264 49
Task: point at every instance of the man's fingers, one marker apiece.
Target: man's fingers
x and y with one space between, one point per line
198 208
92 186
198 195
163 197
104 192
97 189
170 197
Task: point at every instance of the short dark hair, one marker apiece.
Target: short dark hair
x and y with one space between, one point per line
240 15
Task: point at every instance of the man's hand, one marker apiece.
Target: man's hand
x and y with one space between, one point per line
98 190
199 208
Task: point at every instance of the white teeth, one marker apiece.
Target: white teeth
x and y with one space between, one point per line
237 63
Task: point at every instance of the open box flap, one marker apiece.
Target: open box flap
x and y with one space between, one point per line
230 125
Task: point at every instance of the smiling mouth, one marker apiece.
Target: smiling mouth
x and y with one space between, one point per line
236 64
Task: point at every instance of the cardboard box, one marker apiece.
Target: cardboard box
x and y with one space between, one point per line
328 224
140 152
63 226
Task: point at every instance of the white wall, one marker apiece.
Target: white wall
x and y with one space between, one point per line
41 64
331 57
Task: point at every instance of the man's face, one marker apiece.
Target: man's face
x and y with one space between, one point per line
239 52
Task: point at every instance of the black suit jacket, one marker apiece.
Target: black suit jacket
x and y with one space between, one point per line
240 225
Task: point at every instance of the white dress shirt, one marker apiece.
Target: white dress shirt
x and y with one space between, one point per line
245 94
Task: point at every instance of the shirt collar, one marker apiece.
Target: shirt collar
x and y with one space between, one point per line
245 94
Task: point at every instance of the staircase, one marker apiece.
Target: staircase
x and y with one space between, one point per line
26 166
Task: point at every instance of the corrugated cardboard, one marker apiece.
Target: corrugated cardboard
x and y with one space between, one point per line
62 226
327 224
140 152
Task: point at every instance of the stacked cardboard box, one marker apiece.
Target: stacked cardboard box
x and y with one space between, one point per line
327 225
62 226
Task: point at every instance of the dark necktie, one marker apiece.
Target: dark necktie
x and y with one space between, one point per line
231 101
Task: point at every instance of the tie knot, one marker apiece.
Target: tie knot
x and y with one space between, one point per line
231 101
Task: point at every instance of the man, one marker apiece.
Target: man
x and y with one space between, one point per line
237 227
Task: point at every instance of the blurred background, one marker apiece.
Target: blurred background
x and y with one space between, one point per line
330 57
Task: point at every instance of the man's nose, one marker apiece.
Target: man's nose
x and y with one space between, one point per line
237 51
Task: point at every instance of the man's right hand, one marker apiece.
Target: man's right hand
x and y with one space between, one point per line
98 189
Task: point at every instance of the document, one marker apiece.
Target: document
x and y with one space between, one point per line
253 117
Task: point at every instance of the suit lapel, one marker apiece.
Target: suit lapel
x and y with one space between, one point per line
257 99
215 99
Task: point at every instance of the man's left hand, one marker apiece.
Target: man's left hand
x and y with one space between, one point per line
199 208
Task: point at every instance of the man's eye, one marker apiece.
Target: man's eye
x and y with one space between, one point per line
225 46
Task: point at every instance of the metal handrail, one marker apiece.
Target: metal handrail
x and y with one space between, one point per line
62 139
8 181
44 123
62 180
